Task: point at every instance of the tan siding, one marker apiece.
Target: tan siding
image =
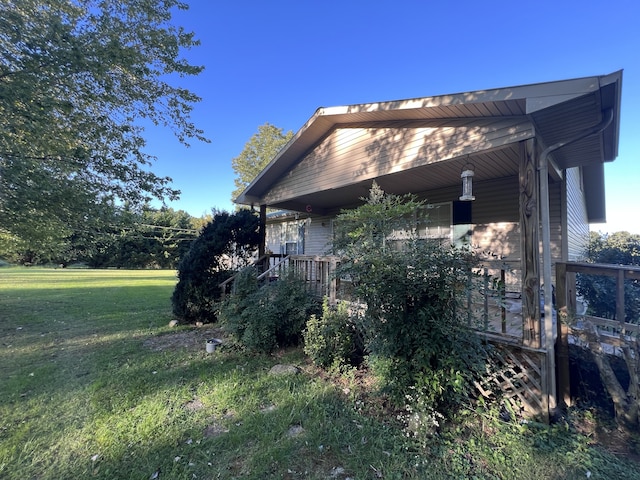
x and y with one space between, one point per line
496 201
319 235
280 231
500 240
577 222
494 214
351 155
555 220
273 235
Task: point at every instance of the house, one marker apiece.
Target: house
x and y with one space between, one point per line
536 154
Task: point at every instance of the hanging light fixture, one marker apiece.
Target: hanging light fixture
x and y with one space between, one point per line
467 183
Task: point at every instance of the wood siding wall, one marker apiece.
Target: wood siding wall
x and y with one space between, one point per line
350 155
577 222
317 235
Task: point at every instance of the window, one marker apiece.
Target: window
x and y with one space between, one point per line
291 248
433 221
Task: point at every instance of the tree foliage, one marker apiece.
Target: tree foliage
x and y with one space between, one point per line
225 245
620 248
148 239
256 154
124 238
77 80
414 328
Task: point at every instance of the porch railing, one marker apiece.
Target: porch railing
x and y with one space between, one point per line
317 273
495 298
611 332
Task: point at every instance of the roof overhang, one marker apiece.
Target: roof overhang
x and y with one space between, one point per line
557 110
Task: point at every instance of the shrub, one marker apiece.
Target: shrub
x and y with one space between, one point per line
269 316
331 339
414 325
226 241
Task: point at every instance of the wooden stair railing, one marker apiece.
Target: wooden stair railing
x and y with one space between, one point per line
224 286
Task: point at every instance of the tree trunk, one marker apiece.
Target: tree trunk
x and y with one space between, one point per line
626 404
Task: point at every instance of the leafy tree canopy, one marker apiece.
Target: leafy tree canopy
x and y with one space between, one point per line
619 248
256 154
77 80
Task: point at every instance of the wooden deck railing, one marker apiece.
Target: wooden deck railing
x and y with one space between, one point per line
610 332
498 281
316 271
566 294
262 264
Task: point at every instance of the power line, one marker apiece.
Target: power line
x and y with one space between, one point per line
187 230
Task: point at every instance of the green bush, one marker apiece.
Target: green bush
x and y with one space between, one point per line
414 324
331 339
206 264
268 316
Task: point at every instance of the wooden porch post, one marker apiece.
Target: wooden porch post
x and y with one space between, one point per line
263 233
565 290
530 245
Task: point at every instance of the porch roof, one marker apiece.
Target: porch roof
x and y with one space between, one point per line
555 111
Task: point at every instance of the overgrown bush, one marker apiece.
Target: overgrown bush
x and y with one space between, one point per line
332 339
414 324
268 316
225 243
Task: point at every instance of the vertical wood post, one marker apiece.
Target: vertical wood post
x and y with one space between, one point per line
563 293
333 281
529 238
485 312
503 294
262 246
620 314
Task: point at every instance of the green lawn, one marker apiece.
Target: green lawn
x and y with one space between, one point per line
94 384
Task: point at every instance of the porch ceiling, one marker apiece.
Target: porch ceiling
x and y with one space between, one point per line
498 163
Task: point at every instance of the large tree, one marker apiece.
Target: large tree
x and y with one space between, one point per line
78 79
256 154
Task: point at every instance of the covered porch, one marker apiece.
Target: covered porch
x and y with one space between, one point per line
537 154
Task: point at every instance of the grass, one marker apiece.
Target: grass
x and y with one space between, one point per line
94 384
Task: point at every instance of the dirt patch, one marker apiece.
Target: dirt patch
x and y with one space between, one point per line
194 338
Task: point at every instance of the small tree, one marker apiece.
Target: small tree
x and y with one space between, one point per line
413 325
226 244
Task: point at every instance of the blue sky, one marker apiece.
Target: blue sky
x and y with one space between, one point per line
278 61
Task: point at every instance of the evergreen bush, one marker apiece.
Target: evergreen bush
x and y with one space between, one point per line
228 241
